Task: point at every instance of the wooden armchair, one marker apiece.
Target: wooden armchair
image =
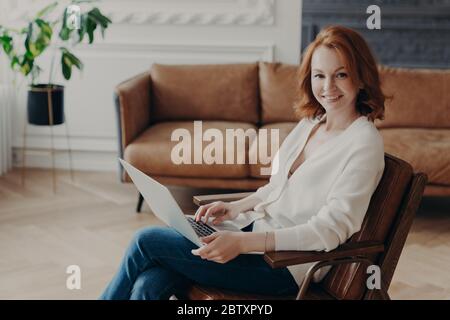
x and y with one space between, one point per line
379 242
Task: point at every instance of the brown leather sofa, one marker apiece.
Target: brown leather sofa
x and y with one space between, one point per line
153 104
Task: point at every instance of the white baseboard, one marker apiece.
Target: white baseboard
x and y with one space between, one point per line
87 160
88 152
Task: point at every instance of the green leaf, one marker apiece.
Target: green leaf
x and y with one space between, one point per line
26 65
66 69
64 34
68 60
71 56
28 38
44 38
96 15
82 30
33 50
45 27
14 61
7 43
91 25
25 69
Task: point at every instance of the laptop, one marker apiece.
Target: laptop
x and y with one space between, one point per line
165 207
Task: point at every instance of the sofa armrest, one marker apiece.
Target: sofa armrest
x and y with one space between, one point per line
132 99
278 259
204 199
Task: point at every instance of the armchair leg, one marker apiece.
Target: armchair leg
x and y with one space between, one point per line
380 294
312 270
385 295
139 204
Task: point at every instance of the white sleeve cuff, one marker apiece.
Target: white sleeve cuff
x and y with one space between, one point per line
300 237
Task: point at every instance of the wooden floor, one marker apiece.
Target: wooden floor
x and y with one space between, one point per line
89 222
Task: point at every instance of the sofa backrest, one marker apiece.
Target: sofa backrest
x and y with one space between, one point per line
227 92
266 94
278 85
420 98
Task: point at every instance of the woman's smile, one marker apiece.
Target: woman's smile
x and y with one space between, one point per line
332 99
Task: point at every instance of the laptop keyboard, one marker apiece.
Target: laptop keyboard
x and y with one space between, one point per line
200 228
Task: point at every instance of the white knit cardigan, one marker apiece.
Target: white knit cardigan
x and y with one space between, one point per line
325 200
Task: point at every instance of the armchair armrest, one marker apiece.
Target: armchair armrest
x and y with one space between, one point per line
132 99
204 199
278 259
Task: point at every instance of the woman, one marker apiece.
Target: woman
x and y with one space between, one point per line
329 167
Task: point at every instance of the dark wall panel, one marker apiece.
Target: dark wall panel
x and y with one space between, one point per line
414 33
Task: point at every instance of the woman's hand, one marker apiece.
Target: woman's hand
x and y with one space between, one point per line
221 211
222 246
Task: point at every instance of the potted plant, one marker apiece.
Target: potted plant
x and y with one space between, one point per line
23 47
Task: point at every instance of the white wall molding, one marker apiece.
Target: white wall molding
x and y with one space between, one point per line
200 12
177 12
173 52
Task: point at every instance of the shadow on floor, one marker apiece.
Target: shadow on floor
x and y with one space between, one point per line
434 206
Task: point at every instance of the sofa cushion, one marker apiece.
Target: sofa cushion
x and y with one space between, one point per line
421 98
256 169
278 84
427 150
152 151
226 92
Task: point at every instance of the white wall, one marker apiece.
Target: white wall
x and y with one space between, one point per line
6 104
147 31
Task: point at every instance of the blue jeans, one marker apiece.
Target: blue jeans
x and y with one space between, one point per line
159 263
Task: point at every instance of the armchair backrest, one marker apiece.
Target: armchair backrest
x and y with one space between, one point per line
385 217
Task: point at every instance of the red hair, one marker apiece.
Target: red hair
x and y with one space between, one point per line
361 65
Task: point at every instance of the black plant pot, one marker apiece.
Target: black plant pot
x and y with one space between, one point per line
40 97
